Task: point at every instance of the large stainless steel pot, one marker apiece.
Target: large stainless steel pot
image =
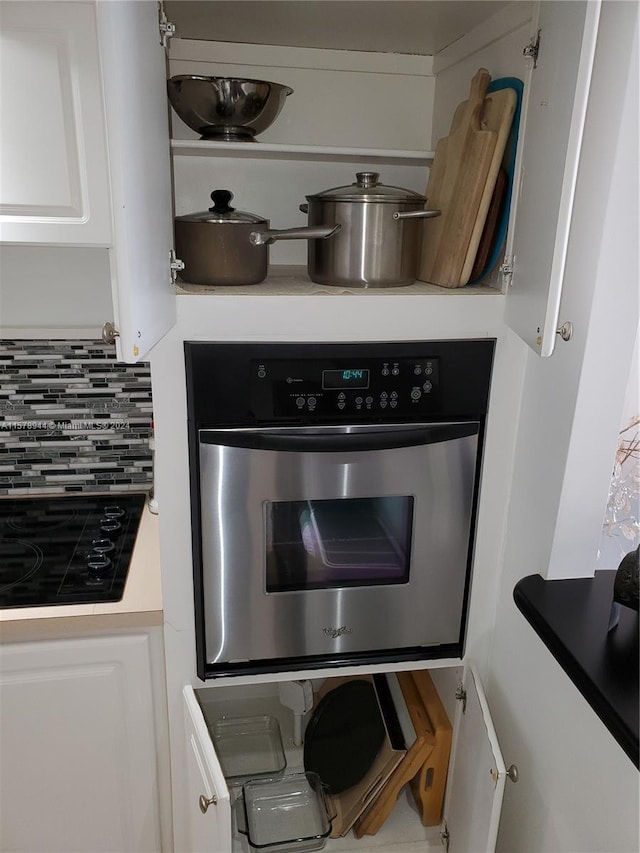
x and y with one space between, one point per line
216 248
380 235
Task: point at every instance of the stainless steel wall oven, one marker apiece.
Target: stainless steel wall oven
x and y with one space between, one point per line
334 495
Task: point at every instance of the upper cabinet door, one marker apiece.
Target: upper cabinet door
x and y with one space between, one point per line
206 812
553 125
134 81
53 159
476 782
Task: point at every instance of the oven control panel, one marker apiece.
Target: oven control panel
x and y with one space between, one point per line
357 388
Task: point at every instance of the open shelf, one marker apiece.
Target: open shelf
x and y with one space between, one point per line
294 281
278 151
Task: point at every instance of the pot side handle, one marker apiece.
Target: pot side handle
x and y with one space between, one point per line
416 214
308 232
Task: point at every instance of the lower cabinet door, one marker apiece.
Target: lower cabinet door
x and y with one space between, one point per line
473 797
207 807
477 777
78 766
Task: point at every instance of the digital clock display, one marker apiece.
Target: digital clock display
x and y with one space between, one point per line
347 377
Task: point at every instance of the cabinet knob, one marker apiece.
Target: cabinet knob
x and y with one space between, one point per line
109 333
205 802
565 331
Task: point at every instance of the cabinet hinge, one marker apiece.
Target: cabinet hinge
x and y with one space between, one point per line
167 29
444 836
506 269
461 696
532 50
175 265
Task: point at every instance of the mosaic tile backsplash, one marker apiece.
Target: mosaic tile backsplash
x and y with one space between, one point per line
73 419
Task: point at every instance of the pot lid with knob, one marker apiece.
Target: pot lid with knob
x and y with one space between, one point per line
367 188
222 212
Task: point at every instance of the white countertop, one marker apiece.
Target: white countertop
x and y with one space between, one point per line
140 606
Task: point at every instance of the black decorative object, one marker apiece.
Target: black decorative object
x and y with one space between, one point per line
626 586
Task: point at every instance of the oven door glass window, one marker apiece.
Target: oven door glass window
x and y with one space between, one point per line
338 543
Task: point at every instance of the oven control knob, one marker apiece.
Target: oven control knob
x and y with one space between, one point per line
110 525
102 546
427 386
113 512
98 563
416 393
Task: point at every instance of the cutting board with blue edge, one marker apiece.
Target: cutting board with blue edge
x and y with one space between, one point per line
508 164
456 186
463 188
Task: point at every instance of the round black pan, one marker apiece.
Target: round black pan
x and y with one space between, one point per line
344 735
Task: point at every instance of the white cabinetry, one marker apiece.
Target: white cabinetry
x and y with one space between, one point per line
79 770
122 110
53 153
475 783
85 163
206 801
560 40
556 108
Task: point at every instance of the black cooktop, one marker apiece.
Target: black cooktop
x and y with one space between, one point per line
66 549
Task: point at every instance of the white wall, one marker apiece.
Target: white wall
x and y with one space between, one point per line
577 790
44 287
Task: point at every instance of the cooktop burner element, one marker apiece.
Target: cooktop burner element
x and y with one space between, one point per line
66 549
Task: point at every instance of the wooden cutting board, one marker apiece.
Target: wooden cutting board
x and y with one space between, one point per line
426 762
497 115
456 185
461 182
417 753
491 224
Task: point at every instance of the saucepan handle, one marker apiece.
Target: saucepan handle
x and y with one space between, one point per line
308 232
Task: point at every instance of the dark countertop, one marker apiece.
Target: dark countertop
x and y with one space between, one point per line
571 618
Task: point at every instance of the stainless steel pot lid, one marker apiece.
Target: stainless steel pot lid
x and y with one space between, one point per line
367 188
222 212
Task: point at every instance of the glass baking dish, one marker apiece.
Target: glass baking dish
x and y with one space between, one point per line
248 748
287 815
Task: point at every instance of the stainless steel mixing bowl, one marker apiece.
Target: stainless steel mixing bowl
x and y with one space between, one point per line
226 108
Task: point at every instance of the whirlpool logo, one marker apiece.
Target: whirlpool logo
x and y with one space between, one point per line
334 633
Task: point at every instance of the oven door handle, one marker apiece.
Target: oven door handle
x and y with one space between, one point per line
301 441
